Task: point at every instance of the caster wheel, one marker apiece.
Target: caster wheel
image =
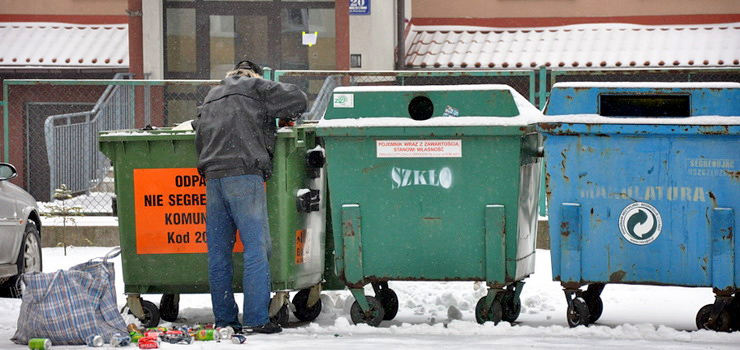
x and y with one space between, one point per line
372 317
151 314
510 307
169 307
723 323
578 313
595 307
734 310
389 300
282 316
302 311
485 314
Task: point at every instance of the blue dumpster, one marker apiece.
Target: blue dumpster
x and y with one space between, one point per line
643 181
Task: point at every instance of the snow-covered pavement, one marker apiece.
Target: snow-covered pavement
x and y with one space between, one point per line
635 317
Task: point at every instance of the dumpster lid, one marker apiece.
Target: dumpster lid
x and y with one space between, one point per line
655 85
437 105
141 135
644 103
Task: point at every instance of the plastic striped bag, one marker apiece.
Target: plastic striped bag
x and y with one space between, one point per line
67 306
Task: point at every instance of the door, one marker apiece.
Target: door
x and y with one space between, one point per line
8 224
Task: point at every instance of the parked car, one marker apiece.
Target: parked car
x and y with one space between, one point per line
20 234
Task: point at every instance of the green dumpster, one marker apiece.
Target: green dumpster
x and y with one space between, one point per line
435 183
161 211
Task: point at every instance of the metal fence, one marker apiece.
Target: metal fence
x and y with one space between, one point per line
312 82
50 126
71 138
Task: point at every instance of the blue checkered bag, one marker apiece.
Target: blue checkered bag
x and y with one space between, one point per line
67 306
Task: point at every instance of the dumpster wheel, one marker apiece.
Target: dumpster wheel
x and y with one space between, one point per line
169 307
282 316
592 296
389 300
595 307
723 323
302 311
577 313
151 314
735 311
493 313
511 306
372 317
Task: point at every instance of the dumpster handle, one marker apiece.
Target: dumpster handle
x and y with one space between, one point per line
300 138
540 152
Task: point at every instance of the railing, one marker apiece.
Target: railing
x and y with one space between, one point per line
71 139
51 127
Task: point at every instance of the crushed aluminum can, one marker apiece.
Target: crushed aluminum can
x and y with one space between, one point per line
206 334
135 336
153 334
132 328
177 337
119 340
238 339
94 341
225 333
148 343
39 344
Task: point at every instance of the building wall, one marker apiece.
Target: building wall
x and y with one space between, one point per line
569 8
64 7
374 36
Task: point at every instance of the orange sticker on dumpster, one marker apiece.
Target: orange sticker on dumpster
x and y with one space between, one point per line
300 243
170 211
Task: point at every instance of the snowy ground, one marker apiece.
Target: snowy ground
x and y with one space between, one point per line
636 317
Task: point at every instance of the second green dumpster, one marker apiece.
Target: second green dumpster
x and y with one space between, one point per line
432 183
161 209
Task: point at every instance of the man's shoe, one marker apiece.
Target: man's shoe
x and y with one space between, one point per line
267 328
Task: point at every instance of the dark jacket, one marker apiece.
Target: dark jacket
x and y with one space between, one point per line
235 129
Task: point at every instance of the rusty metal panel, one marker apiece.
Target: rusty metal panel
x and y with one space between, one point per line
495 217
723 227
570 248
352 242
716 99
648 192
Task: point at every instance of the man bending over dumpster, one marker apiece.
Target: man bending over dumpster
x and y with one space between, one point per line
235 138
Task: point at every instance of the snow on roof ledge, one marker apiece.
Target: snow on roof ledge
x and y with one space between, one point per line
583 46
44 45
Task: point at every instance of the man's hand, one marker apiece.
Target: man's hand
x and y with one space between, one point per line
289 120
285 122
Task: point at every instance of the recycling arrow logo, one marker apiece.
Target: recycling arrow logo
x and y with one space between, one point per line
640 223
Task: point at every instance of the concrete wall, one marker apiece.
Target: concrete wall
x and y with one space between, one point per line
374 36
153 32
80 236
64 7
569 8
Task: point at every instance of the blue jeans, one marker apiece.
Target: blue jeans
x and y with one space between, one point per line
238 202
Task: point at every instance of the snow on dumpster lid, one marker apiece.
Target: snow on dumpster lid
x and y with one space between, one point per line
462 105
423 88
597 119
656 85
